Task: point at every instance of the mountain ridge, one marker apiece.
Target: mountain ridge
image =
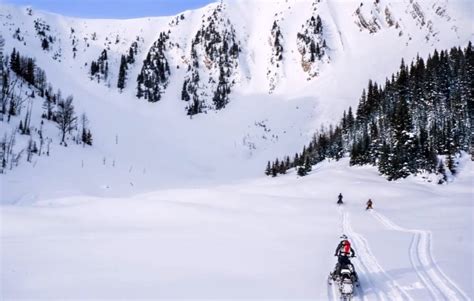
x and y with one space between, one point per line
161 140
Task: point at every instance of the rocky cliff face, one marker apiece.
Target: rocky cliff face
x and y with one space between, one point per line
312 44
213 67
207 51
427 18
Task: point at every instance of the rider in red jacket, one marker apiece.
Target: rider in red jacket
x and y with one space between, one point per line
343 252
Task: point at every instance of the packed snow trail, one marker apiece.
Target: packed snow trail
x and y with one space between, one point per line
440 286
383 286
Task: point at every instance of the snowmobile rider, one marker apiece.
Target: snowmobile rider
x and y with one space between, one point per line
369 205
343 252
339 199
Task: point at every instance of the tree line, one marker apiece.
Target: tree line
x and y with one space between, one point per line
22 84
421 114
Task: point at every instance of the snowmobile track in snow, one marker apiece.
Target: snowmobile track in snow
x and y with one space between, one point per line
383 285
332 292
334 295
440 286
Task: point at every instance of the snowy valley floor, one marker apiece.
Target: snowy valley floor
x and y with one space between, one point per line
266 238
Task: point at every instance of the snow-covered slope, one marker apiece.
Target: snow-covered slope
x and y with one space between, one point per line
275 98
170 199
259 239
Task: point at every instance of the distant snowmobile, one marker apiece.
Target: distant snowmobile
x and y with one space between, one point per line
339 199
344 274
369 204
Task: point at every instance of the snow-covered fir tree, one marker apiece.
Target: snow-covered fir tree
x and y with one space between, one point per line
122 73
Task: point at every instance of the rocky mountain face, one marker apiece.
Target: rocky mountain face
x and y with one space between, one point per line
376 16
312 44
206 44
154 75
257 77
213 67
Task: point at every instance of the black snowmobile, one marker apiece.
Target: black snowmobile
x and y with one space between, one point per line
339 199
344 275
345 281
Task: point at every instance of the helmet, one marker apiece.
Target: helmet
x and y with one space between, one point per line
343 236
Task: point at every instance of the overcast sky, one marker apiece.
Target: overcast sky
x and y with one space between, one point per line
120 9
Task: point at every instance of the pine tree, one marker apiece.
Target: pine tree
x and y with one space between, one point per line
451 164
15 61
287 163
131 54
45 44
48 105
301 171
122 73
403 148
282 168
268 170
184 92
307 165
220 96
442 171
195 107
89 138
274 168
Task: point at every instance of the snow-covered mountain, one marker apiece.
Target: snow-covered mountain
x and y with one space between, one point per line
154 187
208 95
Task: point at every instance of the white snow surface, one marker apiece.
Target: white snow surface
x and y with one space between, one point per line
164 206
257 239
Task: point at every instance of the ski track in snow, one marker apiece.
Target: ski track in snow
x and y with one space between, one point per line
361 269
440 286
332 292
386 287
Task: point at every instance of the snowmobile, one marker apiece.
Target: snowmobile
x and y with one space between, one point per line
345 281
369 205
339 199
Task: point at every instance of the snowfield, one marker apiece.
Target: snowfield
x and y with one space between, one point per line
257 239
167 206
